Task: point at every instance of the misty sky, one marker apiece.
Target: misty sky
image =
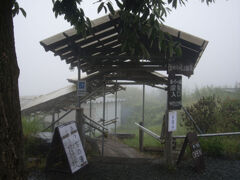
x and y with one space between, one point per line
219 23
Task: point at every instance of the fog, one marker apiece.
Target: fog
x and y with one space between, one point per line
219 23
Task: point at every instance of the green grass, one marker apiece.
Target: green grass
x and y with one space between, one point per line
31 125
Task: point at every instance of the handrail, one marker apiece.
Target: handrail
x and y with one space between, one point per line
91 120
157 137
108 123
210 135
154 135
57 120
97 128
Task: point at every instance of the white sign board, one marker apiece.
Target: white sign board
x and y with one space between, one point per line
73 146
81 88
172 121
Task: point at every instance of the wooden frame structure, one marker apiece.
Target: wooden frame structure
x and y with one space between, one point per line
101 53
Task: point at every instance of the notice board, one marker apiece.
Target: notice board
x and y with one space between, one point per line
72 146
66 151
174 92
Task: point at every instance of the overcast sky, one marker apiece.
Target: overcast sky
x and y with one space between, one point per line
219 23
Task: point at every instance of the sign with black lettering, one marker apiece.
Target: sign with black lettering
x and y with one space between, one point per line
196 151
73 146
66 152
174 92
177 68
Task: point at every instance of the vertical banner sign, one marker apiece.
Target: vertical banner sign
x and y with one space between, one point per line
172 121
81 88
72 146
174 92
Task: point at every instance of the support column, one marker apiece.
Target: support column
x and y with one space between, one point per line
79 113
90 115
104 98
168 140
115 125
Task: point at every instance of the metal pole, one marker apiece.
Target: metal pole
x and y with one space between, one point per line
79 77
115 127
104 98
90 115
194 123
143 104
79 112
141 133
90 108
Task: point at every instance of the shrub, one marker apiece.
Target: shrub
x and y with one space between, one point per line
31 125
204 112
213 146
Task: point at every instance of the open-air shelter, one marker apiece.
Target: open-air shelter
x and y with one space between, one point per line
100 55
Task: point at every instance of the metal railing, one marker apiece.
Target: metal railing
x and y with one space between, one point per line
154 135
157 137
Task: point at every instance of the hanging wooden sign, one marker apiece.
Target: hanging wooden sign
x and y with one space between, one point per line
196 151
174 92
66 153
178 68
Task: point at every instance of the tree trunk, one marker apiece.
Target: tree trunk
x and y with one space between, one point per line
11 136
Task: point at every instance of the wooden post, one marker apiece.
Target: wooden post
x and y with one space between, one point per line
168 138
79 113
80 121
168 143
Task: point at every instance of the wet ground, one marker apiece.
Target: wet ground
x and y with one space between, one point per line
125 163
113 168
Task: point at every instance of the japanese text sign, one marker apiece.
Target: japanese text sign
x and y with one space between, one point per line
174 92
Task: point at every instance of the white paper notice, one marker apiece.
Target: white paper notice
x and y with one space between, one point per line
73 146
172 121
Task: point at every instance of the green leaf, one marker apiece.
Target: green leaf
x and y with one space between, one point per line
23 12
100 7
105 9
119 4
110 7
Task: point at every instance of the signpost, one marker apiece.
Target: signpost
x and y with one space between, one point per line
66 153
174 92
196 151
81 88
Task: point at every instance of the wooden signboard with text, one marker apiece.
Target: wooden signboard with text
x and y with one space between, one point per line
196 151
66 152
174 92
